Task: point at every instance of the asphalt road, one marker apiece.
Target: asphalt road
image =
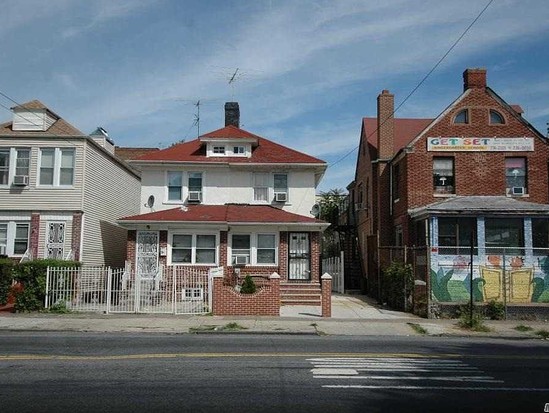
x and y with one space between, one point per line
76 372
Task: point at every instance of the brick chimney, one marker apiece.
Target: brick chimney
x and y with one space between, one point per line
474 79
385 124
232 114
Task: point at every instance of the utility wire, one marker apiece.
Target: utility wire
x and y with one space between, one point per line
421 81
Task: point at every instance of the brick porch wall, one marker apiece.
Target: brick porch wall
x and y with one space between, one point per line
34 234
265 301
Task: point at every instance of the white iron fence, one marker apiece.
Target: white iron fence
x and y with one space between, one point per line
335 267
173 290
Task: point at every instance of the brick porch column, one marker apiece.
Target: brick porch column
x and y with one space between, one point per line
326 281
76 234
34 234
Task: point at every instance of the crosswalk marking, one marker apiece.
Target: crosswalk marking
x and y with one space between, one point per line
376 372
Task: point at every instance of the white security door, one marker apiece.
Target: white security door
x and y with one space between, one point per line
146 259
299 256
55 241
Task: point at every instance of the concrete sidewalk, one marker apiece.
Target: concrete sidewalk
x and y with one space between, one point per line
352 315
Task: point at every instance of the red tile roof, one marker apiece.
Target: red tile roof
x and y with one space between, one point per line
229 213
405 130
265 152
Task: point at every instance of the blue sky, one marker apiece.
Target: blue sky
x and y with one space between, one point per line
308 71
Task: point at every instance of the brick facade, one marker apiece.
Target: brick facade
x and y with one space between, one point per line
405 162
76 234
34 234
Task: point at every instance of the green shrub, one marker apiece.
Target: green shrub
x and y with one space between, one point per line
6 278
248 286
495 310
32 275
474 321
398 283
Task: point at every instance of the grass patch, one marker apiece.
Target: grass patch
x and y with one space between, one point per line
417 328
523 328
234 326
203 328
59 308
543 334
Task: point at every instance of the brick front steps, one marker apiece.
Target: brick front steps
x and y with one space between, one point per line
300 293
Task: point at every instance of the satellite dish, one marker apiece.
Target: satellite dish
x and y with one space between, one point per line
315 210
150 201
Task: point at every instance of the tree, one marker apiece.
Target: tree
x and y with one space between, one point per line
330 206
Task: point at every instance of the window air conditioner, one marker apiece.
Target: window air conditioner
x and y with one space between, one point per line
2 250
195 196
518 190
240 259
281 196
21 180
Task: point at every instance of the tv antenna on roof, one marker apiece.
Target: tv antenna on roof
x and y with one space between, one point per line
232 81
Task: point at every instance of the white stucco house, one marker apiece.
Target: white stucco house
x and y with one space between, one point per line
228 199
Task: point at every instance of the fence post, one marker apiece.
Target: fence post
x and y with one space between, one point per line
46 303
326 288
109 288
342 273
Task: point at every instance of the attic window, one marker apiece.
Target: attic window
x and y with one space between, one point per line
462 117
220 150
496 118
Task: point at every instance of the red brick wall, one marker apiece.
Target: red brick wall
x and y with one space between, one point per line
76 234
315 256
477 173
130 247
34 234
283 255
265 301
163 243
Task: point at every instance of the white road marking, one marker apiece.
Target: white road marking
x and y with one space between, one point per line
519 389
396 369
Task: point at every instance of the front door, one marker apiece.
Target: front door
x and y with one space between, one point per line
55 245
299 260
146 259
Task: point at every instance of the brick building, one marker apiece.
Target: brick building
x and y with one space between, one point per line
477 173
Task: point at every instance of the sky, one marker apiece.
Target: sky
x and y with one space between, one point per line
307 71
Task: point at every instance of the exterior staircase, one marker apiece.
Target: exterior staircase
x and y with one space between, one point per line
300 293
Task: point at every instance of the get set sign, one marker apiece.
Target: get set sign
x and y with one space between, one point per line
481 144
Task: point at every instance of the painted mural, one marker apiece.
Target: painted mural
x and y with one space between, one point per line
513 279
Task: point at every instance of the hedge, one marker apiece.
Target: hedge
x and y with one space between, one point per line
32 276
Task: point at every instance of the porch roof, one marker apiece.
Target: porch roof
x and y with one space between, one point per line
225 214
480 205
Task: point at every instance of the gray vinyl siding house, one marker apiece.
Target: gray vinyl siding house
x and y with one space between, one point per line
62 190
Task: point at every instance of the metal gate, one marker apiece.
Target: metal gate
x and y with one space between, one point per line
171 290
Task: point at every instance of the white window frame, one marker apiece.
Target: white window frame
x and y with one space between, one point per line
11 227
167 196
253 248
265 186
13 157
219 150
285 190
239 150
57 166
194 236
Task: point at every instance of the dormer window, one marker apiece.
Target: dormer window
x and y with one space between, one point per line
462 117
219 150
239 150
496 118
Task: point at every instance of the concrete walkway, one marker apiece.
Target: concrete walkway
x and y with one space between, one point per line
351 315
